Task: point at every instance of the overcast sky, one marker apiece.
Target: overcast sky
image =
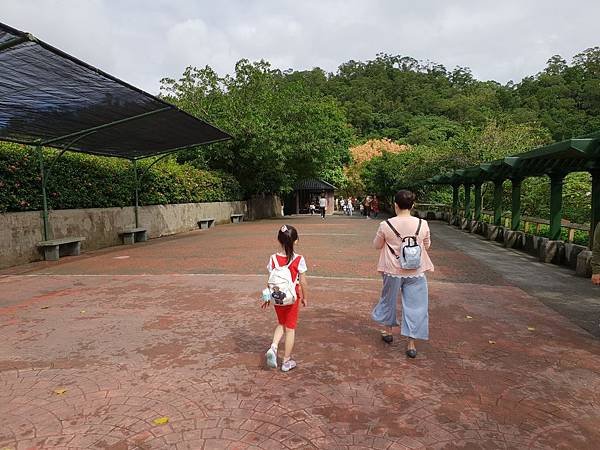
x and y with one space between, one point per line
142 41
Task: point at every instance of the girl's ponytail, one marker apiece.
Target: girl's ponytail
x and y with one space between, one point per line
287 236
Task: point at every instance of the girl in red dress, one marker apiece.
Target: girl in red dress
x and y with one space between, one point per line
287 316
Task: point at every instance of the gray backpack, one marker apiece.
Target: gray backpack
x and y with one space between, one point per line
410 253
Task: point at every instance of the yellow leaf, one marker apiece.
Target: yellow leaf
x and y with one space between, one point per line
161 421
60 391
469 317
491 342
82 311
531 328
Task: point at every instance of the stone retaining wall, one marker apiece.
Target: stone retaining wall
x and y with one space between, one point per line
20 232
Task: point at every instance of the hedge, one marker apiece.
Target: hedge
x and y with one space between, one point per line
85 181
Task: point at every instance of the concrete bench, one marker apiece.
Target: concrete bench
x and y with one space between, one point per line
237 218
207 222
134 235
55 248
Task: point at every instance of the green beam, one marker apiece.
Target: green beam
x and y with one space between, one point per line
137 192
556 191
498 191
516 203
17 41
595 213
468 201
478 201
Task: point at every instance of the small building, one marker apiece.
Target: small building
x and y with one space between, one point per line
308 191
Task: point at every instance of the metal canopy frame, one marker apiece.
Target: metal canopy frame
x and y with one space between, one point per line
204 133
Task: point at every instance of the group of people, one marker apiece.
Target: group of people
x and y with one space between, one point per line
368 207
288 287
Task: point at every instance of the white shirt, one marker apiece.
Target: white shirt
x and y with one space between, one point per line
322 202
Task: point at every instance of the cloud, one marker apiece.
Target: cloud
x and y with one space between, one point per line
144 41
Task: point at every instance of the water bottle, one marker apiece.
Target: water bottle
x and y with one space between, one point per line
266 295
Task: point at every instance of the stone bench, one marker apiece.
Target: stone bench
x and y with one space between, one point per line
55 248
207 222
134 235
237 218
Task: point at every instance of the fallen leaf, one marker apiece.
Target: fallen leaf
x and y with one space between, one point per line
44 307
492 342
60 391
469 317
161 421
82 311
531 328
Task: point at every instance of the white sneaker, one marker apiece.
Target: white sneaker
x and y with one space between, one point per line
288 365
271 358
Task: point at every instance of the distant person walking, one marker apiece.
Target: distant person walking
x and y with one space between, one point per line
323 206
403 260
350 207
375 206
596 256
367 204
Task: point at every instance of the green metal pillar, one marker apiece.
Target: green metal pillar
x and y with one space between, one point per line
595 216
498 191
516 203
478 201
455 188
468 201
556 191
44 195
137 193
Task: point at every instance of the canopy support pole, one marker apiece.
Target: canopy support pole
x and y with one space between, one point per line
595 216
44 196
138 183
455 188
137 192
498 191
516 203
556 192
468 201
478 201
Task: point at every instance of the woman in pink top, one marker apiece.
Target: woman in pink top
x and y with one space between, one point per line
412 283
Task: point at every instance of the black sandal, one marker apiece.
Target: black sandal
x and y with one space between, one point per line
412 353
387 338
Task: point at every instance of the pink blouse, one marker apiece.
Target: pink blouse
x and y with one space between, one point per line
406 226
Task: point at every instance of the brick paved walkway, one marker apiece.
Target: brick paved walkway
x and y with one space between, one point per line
96 348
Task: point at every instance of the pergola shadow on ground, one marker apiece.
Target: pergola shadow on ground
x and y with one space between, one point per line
161 346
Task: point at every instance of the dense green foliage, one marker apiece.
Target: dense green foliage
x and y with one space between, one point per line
83 181
283 130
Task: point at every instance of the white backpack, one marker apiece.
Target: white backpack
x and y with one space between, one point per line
281 285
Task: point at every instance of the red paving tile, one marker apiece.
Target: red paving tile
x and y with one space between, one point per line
175 331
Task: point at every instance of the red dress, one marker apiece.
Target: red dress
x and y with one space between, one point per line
288 315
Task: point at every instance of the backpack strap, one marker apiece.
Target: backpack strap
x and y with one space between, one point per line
396 231
274 262
418 228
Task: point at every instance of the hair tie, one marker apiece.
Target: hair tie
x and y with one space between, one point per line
284 229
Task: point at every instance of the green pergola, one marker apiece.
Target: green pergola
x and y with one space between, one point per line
49 98
555 161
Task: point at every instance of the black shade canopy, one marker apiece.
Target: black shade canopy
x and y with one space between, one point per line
50 98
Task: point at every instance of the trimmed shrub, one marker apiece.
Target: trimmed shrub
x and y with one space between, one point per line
84 181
